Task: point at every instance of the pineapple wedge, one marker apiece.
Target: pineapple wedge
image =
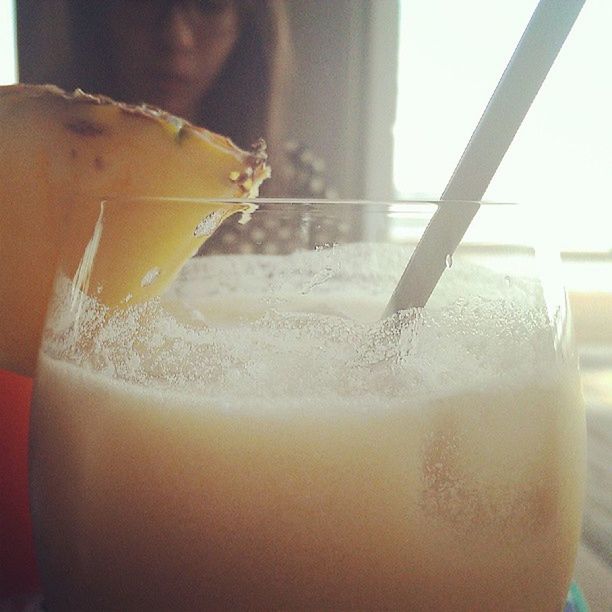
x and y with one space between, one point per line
59 149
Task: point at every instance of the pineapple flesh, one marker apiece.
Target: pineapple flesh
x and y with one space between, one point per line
61 152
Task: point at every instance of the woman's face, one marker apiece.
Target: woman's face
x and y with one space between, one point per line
168 53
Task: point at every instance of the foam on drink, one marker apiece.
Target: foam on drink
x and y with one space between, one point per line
230 323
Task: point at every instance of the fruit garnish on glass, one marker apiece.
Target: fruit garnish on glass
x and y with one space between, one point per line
58 150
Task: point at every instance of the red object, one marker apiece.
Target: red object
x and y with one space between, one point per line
18 572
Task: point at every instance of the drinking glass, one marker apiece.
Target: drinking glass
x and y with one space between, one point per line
247 431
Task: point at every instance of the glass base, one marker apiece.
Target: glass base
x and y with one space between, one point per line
34 603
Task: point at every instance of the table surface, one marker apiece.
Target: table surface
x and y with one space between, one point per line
594 563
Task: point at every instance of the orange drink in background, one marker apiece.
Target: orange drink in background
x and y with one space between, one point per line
17 566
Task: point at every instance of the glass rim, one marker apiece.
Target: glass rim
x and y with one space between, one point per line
401 203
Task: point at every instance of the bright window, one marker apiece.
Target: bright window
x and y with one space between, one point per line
451 56
8 55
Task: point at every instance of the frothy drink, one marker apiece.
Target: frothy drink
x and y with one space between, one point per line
257 438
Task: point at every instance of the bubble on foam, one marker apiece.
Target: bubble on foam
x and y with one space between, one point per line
322 276
150 277
208 224
242 327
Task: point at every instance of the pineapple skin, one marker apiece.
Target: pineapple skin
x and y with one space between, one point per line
62 152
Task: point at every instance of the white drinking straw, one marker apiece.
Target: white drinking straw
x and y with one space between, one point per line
535 53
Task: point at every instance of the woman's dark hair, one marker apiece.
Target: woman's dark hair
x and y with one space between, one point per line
244 103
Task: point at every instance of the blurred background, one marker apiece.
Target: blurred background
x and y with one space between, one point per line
385 94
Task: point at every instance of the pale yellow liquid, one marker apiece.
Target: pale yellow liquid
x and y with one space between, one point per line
150 500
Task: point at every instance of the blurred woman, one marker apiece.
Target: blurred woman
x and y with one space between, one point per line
221 64
218 63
